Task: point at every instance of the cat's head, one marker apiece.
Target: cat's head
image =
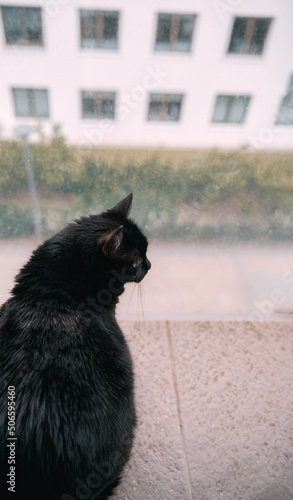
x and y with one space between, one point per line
96 255
123 244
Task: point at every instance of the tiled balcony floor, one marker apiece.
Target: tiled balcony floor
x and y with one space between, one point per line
215 406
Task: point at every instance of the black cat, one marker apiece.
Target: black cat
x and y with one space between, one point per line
67 414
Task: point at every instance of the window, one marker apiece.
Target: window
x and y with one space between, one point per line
99 29
248 35
22 25
285 113
98 105
174 32
31 102
165 107
230 109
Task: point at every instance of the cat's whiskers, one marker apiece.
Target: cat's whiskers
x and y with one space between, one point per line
131 297
139 309
140 301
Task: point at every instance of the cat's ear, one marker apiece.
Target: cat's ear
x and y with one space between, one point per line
123 207
111 242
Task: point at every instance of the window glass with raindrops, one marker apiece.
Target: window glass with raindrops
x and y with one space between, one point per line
187 106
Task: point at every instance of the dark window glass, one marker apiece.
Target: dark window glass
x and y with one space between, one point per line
99 29
186 25
155 111
174 111
237 43
22 25
108 107
174 32
248 35
88 105
110 27
261 27
164 29
87 24
98 105
165 107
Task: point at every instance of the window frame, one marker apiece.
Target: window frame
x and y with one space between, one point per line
174 32
165 103
99 41
25 42
32 102
229 110
248 36
98 104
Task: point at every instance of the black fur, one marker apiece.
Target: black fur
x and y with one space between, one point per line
63 351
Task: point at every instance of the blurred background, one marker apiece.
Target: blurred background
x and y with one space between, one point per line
189 105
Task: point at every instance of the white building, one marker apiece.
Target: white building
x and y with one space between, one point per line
161 73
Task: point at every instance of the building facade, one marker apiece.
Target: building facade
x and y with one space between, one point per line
157 74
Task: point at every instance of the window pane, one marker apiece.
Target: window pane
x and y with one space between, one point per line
108 109
11 24
259 34
33 25
21 102
174 107
221 108
110 30
237 43
174 111
289 96
41 102
285 113
157 97
88 107
108 105
175 97
155 110
184 39
288 99
88 104
163 32
238 109
88 29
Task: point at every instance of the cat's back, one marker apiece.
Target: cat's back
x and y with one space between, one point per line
66 344
72 373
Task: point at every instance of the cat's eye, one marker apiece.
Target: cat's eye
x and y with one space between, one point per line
136 263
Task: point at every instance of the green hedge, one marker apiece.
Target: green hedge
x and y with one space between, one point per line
178 194
15 221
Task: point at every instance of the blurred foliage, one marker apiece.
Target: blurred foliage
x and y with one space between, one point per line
177 194
15 221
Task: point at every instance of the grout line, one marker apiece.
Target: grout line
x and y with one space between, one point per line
178 409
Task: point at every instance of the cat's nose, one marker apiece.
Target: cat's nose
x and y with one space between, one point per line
148 264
